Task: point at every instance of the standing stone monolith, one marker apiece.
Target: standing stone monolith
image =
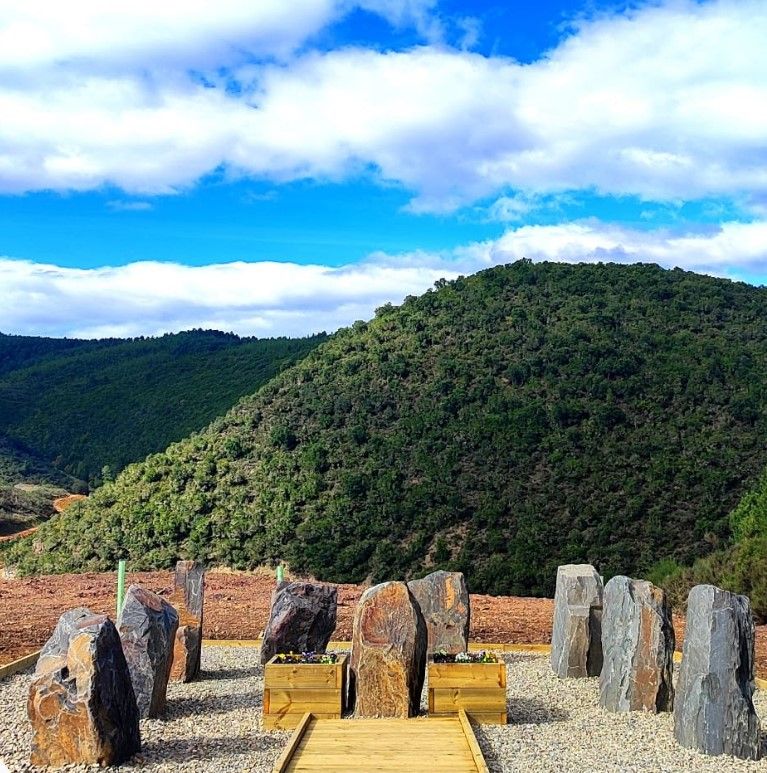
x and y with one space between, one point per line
81 702
576 638
444 601
188 598
147 625
388 658
302 618
638 647
714 711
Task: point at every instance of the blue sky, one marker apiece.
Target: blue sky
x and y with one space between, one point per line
274 168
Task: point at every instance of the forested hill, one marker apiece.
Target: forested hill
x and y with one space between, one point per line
502 424
85 405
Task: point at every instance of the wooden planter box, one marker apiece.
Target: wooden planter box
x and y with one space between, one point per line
477 688
293 689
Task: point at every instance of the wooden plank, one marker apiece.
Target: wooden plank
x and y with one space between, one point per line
297 700
471 739
386 746
453 675
303 675
284 759
290 721
22 664
443 701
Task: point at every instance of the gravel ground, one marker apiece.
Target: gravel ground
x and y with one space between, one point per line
557 724
214 724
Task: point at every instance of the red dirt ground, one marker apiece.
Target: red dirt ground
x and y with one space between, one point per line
237 604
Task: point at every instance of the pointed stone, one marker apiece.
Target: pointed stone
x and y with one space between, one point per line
302 618
147 625
638 647
576 639
388 659
188 599
81 702
714 711
444 601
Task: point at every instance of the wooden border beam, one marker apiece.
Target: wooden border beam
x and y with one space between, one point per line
287 753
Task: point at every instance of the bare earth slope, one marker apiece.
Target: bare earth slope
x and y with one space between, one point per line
236 607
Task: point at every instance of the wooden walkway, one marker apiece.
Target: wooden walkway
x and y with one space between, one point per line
382 746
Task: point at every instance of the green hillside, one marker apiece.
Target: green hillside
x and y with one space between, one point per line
502 424
28 487
85 405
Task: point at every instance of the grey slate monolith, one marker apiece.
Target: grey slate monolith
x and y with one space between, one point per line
188 599
576 638
714 711
637 646
444 601
147 626
302 618
81 703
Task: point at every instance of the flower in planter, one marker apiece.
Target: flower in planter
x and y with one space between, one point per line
324 658
466 657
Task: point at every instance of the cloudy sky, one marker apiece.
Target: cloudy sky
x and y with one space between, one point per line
279 168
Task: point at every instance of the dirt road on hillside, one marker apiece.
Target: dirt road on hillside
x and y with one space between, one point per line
236 607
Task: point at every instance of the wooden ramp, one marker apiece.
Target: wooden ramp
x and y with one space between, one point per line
445 745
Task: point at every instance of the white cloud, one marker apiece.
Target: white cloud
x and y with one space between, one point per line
96 35
668 102
270 298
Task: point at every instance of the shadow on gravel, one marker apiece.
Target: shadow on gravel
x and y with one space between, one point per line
230 673
213 704
184 750
526 711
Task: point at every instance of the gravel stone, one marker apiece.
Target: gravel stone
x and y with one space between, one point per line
214 724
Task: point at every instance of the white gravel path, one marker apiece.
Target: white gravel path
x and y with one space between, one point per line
214 725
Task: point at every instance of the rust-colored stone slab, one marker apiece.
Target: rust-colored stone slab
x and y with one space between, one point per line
638 647
81 702
147 626
388 652
444 601
188 598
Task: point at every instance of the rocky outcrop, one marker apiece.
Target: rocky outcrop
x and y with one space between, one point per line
188 599
302 618
444 601
388 658
147 625
576 639
714 712
81 702
638 647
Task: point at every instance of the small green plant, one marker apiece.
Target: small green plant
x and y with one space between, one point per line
465 657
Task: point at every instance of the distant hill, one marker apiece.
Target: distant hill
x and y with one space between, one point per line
28 486
86 405
502 424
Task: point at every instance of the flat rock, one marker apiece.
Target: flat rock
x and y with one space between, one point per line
638 647
147 625
302 618
188 600
444 601
81 703
388 659
714 711
576 638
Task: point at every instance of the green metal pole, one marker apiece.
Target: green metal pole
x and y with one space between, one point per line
280 573
120 584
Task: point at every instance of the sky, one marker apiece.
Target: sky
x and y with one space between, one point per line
274 168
